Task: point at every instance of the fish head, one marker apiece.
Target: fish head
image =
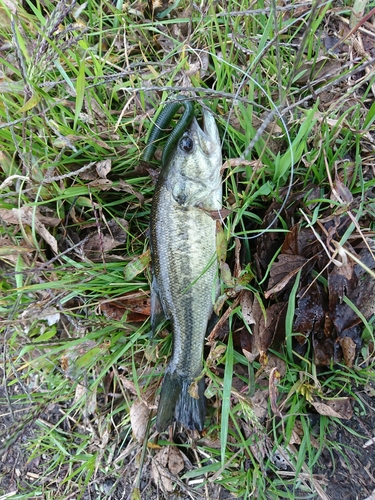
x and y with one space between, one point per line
192 173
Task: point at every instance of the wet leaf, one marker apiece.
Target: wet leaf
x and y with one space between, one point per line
271 327
283 271
343 282
269 242
310 314
323 349
300 241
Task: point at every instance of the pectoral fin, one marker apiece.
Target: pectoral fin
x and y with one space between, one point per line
157 312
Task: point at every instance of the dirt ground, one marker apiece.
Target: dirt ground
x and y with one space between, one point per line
348 473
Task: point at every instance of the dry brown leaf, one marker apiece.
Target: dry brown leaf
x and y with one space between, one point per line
260 403
158 470
322 68
128 188
298 432
27 215
169 457
102 184
236 162
339 408
349 348
175 460
246 302
139 415
111 235
341 193
138 306
103 168
90 399
282 271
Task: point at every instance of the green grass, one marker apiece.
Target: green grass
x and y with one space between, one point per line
80 86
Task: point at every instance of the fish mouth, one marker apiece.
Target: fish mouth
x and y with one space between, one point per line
208 136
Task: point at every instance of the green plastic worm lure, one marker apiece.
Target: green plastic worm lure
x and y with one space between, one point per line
162 121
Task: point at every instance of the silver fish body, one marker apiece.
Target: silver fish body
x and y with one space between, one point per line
183 245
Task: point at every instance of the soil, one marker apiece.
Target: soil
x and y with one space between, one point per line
348 473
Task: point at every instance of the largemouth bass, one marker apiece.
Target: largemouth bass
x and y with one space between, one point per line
184 261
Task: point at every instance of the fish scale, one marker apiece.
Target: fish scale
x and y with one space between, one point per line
183 246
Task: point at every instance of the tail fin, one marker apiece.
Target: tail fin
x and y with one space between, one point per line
176 404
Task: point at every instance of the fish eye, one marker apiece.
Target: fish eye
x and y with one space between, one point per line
186 144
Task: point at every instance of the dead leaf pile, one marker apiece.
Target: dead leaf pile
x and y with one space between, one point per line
326 312
335 291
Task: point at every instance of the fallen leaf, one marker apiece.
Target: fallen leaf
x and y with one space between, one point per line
13 250
349 349
323 349
128 188
339 408
136 266
260 403
30 217
270 328
139 416
159 473
77 359
110 236
138 306
102 184
321 69
310 314
369 443
175 460
246 302
103 168
268 243
89 395
341 193
283 271
37 311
